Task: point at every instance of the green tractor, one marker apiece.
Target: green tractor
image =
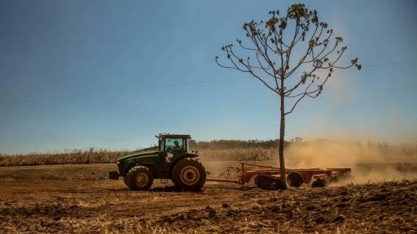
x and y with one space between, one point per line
169 160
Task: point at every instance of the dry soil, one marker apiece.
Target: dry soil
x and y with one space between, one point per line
80 199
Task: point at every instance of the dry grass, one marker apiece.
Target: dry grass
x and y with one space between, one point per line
88 156
316 152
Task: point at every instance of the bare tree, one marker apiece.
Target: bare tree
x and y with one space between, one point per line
296 45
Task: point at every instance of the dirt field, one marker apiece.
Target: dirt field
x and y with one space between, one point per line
80 199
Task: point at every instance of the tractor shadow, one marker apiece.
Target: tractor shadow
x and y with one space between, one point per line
205 188
174 189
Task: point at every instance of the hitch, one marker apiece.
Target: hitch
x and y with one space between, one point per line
113 175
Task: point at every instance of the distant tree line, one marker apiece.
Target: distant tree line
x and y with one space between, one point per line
230 144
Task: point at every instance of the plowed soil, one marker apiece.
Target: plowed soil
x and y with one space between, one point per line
80 199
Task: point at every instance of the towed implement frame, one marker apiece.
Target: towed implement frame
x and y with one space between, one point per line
267 177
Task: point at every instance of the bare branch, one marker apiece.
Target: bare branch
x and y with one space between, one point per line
295 104
246 48
303 80
274 56
288 94
265 69
325 43
309 51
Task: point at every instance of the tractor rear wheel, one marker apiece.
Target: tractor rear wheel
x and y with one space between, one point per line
189 174
139 178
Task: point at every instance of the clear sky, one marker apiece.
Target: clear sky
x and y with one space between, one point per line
112 74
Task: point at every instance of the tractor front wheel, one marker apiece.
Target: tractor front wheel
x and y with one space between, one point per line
139 178
189 174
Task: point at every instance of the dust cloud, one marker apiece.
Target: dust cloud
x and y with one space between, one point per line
369 162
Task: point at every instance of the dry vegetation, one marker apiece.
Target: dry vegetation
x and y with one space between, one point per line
298 154
88 156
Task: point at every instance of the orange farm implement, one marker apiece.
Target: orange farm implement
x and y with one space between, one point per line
267 177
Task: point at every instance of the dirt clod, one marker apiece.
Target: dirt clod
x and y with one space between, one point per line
225 205
339 219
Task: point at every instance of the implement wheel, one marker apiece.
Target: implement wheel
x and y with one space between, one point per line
139 178
268 183
320 183
189 174
295 179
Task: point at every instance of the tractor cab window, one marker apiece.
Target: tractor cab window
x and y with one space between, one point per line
174 144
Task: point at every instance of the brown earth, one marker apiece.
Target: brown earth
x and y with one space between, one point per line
80 199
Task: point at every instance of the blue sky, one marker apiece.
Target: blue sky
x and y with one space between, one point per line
112 74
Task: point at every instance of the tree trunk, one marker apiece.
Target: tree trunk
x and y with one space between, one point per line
283 184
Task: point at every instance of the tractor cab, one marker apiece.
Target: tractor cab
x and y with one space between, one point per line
173 143
171 147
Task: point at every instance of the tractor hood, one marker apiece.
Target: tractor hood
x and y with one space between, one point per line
138 155
149 154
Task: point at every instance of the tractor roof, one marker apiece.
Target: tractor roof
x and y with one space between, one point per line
165 135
